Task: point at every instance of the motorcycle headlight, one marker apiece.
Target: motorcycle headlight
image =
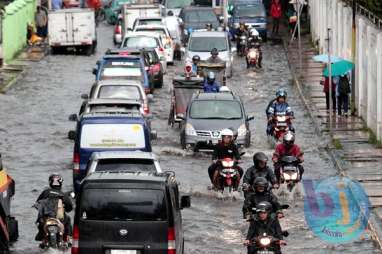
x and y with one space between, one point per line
294 176
265 241
190 131
242 131
286 176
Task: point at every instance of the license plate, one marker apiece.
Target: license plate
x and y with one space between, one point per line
124 252
265 252
215 141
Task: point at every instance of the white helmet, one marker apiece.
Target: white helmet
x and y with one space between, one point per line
224 89
226 132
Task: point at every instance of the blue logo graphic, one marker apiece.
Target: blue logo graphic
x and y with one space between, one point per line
336 209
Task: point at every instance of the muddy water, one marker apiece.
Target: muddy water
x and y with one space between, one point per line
33 141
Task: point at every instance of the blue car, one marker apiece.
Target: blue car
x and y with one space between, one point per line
122 67
252 14
98 132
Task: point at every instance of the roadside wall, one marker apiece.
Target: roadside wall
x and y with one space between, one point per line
15 19
336 15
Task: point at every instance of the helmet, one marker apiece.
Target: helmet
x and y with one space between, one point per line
281 93
170 13
288 138
55 181
211 77
226 132
260 156
254 32
214 52
196 58
263 206
209 26
224 89
260 182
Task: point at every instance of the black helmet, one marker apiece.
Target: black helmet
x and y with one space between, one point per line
263 206
260 156
281 93
209 26
214 52
55 181
196 58
211 77
170 13
260 182
288 138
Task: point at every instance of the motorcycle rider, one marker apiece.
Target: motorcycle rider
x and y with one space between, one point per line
259 169
261 194
214 58
209 27
195 61
225 148
55 193
287 148
264 223
278 107
210 85
257 46
242 30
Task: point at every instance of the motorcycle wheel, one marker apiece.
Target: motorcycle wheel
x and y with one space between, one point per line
53 241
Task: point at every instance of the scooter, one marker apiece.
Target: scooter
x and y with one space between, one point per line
289 172
281 126
253 57
228 176
264 244
243 42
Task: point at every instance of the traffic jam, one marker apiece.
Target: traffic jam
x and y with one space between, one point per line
172 127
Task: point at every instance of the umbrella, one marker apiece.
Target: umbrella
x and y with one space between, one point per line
325 58
339 68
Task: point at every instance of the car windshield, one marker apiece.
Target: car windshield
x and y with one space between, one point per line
249 11
123 205
159 31
140 42
119 92
129 165
172 4
214 109
206 44
200 17
149 22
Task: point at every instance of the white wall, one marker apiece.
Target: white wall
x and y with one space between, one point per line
336 15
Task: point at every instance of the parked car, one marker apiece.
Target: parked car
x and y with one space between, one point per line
195 18
122 67
113 131
253 15
136 213
153 65
143 40
169 45
123 162
201 43
118 89
209 113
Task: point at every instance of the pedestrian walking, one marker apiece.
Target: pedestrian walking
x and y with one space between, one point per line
343 90
41 22
292 19
325 83
276 15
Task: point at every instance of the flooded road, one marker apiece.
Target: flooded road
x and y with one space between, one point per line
34 125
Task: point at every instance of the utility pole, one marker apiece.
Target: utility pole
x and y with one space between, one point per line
353 50
330 86
299 10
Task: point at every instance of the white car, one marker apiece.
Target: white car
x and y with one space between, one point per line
123 161
140 40
169 45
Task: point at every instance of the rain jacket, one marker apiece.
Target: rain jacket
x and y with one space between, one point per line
214 88
277 108
255 198
281 150
222 151
252 173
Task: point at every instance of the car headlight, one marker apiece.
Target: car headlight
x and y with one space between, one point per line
242 131
190 131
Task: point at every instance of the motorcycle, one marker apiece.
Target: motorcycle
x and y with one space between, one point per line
253 57
264 244
228 175
243 42
289 172
281 126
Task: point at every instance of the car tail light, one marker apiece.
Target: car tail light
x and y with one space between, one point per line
161 49
188 68
76 163
146 108
171 241
155 67
76 239
117 29
123 53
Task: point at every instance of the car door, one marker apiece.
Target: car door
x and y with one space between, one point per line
174 192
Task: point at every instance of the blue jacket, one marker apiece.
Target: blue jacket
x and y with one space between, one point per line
214 88
277 108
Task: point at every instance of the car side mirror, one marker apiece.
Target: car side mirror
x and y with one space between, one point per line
150 97
250 118
94 71
84 96
153 135
73 117
185 202
72 135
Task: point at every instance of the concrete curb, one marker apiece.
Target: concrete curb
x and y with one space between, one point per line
4 88
373 225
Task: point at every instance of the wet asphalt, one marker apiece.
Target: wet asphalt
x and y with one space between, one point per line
33 140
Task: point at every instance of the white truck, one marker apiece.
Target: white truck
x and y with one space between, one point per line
132 11
73 28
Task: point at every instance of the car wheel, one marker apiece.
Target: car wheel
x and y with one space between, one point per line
183 141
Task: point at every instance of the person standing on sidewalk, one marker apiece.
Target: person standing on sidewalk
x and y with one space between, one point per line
325 82
41 22
343 90
276 15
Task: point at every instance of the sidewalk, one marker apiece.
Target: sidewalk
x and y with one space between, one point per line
10 73
350 150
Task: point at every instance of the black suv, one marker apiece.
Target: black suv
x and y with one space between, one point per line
133 213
